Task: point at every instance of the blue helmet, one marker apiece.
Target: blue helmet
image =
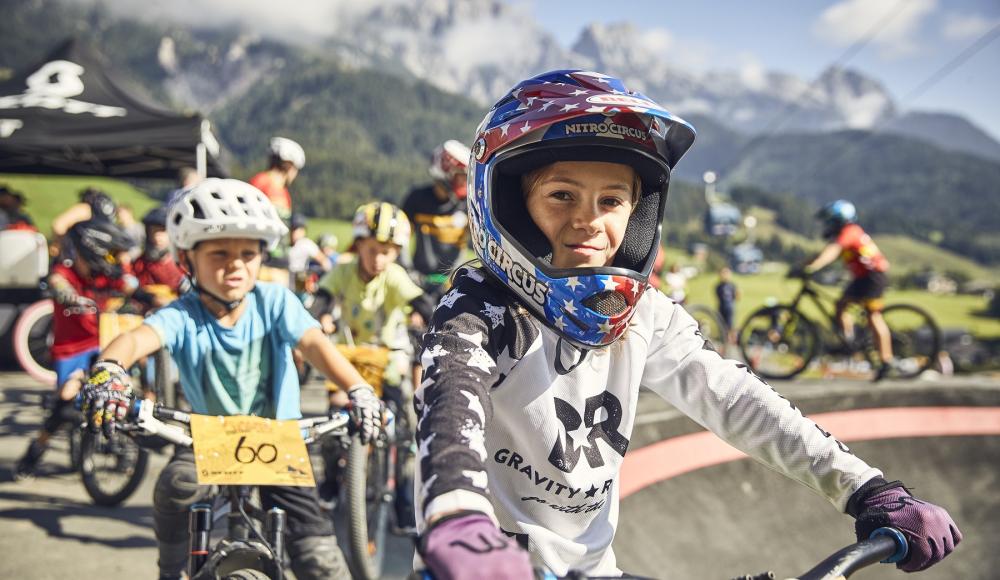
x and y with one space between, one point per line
571 115
835 215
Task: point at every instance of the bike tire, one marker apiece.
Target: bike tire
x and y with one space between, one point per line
246 574
130 461
369 480
797 345
710 324
32 340
75 447
916 338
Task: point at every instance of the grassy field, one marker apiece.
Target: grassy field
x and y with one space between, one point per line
905 253
47 196
959 311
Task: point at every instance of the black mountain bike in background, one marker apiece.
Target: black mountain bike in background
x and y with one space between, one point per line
781 341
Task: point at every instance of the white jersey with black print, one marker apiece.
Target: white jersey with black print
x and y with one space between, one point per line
503 433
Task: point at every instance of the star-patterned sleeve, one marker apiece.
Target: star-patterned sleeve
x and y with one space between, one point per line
471 327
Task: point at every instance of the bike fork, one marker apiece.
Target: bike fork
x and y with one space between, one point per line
201 530
275 529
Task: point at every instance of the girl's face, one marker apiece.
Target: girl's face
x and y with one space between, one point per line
375 256
583 208
227 268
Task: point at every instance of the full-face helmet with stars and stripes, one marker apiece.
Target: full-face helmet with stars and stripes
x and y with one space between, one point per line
571 115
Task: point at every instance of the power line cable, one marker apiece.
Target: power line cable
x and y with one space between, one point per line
793 107
934 78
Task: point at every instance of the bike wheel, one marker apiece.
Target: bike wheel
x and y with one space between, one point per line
916 338
32 340
710 324
778 342
111 469
370 481
75 448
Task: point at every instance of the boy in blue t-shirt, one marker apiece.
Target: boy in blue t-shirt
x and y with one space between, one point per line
232 339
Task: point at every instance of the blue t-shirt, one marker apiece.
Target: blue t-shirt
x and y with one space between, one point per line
243 370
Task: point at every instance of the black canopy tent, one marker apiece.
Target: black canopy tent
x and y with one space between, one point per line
68 116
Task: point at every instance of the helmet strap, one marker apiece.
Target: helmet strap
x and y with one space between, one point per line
560 368
227 305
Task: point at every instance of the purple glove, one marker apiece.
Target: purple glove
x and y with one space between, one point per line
931 532
469 545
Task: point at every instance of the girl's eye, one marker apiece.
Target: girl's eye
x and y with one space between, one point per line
613 201
560 194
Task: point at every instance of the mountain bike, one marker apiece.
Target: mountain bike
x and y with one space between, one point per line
253 545
111 469
886 545
373 472
780 341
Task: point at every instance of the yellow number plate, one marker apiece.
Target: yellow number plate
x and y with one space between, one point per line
241 450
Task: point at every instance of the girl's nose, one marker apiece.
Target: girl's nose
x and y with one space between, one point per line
586 217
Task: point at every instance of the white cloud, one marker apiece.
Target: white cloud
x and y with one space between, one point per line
657 40
486 41
753 73
966 26
898 23
282 20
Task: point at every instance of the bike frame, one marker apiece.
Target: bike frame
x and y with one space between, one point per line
243 541
825 304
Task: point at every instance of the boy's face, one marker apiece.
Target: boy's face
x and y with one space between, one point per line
375 256
156 237
227 268
583 208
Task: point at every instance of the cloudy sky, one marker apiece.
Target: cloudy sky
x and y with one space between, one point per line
912 46
910 43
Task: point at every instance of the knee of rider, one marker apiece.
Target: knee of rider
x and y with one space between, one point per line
315 552
176 490
62 412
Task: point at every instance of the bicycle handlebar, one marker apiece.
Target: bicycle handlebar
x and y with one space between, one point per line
543 574
886 545
148 416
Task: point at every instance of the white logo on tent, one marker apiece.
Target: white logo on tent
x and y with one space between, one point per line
8 126
52 85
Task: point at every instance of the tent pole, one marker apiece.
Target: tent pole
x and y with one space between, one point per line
201 154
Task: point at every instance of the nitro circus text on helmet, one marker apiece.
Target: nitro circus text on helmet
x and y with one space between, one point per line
516 273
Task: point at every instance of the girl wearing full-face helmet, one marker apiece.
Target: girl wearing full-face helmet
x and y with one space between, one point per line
534 359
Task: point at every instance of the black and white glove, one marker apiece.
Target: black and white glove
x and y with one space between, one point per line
107 396
366 411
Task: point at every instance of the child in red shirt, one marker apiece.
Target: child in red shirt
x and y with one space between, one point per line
91 268
160 278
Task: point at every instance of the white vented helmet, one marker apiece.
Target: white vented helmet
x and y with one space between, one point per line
449 159
222 208
288 150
